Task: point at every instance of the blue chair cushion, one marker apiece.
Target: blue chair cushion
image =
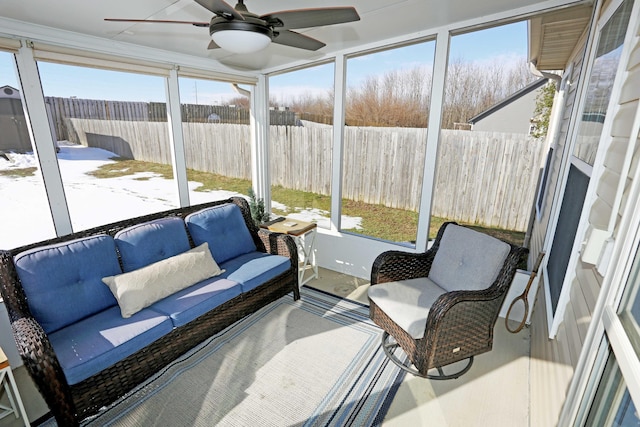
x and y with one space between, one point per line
153 241
194 301
223 227
255 268
97 342
63 281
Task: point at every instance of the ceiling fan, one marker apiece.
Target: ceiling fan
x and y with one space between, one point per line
239 31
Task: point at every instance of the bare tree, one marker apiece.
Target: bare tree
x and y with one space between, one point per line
400 98
396 98
474 87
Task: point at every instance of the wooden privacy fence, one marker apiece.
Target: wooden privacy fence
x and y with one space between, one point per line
76 108
485 178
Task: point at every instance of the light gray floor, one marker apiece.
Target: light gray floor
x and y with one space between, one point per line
495 392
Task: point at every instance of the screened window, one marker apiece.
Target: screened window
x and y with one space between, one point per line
570 211
25 216
487 172
111 130
542 190
386 108
217 139
301 143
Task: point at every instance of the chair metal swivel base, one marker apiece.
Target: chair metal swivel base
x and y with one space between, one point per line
389 347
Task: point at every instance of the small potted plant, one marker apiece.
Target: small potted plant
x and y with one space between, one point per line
256 205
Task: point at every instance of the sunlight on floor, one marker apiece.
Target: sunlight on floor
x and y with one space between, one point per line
495 392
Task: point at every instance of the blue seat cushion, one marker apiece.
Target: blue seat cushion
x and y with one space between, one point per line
63 281
224 228
97 342
255 268
153 241
194 301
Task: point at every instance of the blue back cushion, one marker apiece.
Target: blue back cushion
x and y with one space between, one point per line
223 227
63 282
153 241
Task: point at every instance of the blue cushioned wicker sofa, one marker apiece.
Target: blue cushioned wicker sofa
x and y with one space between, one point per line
97 312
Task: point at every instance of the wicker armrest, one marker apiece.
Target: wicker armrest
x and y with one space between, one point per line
279 244
460 324
447 301
282 244
42 364
392 266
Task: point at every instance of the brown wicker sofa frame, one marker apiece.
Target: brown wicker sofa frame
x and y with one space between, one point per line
70 404
459 324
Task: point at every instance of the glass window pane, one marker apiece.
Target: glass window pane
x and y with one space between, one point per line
302 143
387 111
112 132
217 138
630 307
25 216
600 84
612 406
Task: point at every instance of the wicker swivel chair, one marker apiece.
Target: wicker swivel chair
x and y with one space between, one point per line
440 307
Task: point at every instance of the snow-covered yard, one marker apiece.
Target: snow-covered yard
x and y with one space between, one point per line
92 201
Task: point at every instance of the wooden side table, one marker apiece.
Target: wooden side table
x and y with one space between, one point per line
11 389
304 234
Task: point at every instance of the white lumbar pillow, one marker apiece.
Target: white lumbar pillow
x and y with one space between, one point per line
140 288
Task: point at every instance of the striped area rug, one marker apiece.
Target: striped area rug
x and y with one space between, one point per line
313 362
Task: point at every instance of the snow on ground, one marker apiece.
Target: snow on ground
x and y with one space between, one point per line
18 161
95 201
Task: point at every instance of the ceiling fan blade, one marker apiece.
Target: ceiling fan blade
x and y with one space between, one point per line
213 45
306 18
221 8
160 21
291 38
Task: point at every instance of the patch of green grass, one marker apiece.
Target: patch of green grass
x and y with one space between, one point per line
513 237
378 221
18 173
399 225
211 181
124 167
510 236
297 198
381 222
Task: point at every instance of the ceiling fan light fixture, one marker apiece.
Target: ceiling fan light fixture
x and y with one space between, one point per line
241 36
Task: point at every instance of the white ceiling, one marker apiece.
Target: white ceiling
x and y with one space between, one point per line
380 20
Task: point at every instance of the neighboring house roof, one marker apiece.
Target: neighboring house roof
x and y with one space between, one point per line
7 91
519 94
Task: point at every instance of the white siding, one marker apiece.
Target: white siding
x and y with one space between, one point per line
553 359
